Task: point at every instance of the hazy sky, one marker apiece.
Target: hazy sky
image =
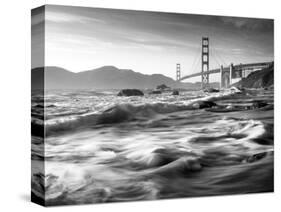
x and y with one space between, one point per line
80 38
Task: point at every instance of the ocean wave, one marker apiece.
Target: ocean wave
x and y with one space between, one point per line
128 112
151 148
124 113
144 167
118 114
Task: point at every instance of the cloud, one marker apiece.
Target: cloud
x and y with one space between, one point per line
62 18
259 25
149 36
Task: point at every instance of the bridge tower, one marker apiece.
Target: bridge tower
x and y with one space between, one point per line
178 76
205 63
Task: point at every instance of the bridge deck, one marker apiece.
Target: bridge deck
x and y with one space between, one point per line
240 66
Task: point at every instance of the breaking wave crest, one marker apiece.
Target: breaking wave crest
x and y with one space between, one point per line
122 113
153 150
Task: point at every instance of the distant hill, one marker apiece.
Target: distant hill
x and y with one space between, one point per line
258 79
106 77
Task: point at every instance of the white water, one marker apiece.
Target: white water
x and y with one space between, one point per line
159 147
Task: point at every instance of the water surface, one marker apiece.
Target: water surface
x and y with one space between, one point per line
104 148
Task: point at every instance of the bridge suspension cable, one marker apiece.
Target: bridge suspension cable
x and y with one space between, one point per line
196 67
215 58
218 58
196 61
226 72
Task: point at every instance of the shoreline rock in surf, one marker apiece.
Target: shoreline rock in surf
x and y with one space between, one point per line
130 92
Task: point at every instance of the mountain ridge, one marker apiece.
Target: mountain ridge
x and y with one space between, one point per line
105 77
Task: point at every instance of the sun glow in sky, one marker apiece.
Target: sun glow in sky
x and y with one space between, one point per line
80 38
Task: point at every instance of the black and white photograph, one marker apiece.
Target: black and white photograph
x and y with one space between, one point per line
132 105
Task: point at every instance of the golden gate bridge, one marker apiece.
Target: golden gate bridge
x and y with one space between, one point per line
227 72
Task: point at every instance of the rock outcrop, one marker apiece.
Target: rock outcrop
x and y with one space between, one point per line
155 92
163 87
258 79
203 104
130 92
211 90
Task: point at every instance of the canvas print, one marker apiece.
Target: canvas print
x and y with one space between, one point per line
138 105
